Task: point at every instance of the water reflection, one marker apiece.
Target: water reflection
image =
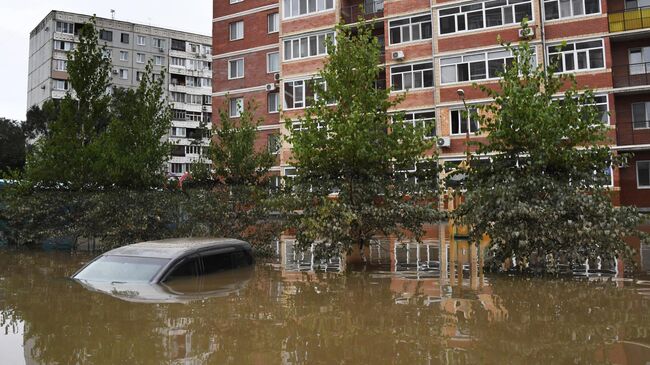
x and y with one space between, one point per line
400 311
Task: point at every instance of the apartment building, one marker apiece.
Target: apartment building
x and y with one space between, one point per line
268 50
186 57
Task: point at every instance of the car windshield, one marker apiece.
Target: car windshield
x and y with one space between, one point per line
122 269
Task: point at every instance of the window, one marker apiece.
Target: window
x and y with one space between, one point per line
273 144
272 62
273 22
410 29
237 30
124 56
63 46
641 115
124 74
235 1
178 45
140 58
193 116
236 69
476 66
425 119
178 97
158 43
273 102
576 56
194 99
307 46
299 93
178 132
556 9
142 41
158 60
106 35
64 27
139 75
124 38
236 106
643 174
639 60
459 122
415 76
635 4
60 65
61 85
294 8
484 15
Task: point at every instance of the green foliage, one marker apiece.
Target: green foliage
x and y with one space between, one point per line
543 196
39 119
12 146
356 148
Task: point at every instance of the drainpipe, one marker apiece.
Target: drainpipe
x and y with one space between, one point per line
542 31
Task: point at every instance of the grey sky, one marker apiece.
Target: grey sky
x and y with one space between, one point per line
19 17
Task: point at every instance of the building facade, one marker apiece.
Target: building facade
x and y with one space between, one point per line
267 50
186 57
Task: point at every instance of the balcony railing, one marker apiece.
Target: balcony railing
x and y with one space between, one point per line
631 19
632 133
635 74
366 10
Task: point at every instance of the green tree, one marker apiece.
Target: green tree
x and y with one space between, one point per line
12 146
39 119
543 197
349 143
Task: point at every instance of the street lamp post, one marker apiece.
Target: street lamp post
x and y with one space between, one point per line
461 95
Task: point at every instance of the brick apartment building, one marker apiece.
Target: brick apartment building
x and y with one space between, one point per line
266 50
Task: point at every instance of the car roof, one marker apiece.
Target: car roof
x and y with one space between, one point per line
175 247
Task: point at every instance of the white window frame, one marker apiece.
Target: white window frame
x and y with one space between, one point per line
238 107
413 74
140 58
552 50
65 27
139 75
303 94
141 40
158 58
463 121
638 185
273 108
572 9
61 65
410 26
243 69
275 151
642 67
415 118
295 45
65 83
268 62
480 7
474 58
273 23
321 6
234 35
124 55
236 1
161 44
124 74
67 46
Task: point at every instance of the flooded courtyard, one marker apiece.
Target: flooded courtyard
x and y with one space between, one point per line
402 308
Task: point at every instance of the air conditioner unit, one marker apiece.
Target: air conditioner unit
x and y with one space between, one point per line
161 50
398 55
526 33
443 142
276 76
205 108
270 87
115 72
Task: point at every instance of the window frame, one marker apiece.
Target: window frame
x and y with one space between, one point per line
638 185
308 13
303 95
141 38
486 62
276 23
484 18
243 68
124 55
575 52
646 106
268 63
412 72
460 126
138 56
307 37
277 104
156 58
572 16
420 121
230 30
62 27
239 102
410 25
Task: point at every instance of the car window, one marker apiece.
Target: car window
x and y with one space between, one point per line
187 268
215 262
122 268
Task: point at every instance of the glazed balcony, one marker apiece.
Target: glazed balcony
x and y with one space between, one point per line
636 74
631 19
367 10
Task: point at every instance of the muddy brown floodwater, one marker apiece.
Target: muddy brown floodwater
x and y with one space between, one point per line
284 313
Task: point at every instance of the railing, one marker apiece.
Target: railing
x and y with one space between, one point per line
366 10
631 19
634 74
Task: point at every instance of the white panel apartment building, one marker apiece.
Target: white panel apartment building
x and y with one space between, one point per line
186 57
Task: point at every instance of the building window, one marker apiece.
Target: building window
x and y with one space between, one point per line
273 22
410 29
236 30
177 62
236 106
273 144
272 62
62 85
575 56
178 97
158 60
64 27
641 115
106 35
459 122
637 58
178 168
307 46
300 93
178 114
124 56
178 132
294 8
236 69
425 119
476 66
60 65
124 74
235 1
178 45
194 99
139 75
273 102
140 58
556 9
635 4
63 46
643 174
415 76
142 41
158 43
484 15
124 38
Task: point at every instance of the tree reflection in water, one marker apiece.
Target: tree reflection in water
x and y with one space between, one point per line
313 318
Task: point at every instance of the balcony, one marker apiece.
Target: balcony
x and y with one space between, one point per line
632 133
631 19
366 10
635 74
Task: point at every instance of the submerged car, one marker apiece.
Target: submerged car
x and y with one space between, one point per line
167 270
